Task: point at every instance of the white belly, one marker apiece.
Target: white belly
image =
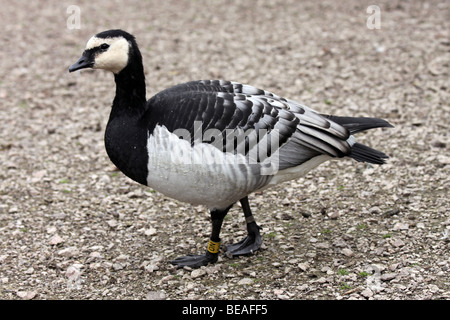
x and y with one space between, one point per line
198 174
204 175
298 171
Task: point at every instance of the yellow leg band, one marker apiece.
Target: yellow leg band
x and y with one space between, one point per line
213 247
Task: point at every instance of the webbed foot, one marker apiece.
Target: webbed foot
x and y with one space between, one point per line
248 245
195 261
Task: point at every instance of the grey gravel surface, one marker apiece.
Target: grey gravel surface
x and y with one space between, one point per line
73 227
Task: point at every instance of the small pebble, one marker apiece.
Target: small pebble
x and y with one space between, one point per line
347 252
197 273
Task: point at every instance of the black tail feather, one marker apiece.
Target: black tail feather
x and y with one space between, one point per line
358 124
363 153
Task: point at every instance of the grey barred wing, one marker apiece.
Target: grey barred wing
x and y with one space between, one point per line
241 119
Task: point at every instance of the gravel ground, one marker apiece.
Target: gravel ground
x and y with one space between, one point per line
73 227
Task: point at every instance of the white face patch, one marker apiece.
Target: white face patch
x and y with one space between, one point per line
115 58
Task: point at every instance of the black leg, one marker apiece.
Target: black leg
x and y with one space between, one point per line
252 241
212 252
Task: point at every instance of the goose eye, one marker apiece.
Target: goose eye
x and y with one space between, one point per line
104 46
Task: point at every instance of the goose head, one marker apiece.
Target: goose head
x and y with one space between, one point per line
109 50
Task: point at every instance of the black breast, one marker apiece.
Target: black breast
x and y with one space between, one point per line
126 145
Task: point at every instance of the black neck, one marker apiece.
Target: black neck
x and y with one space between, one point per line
130 86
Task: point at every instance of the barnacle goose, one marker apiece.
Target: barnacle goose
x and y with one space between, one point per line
213 142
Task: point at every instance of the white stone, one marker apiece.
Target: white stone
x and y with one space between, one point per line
347 252
197 273
245 281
